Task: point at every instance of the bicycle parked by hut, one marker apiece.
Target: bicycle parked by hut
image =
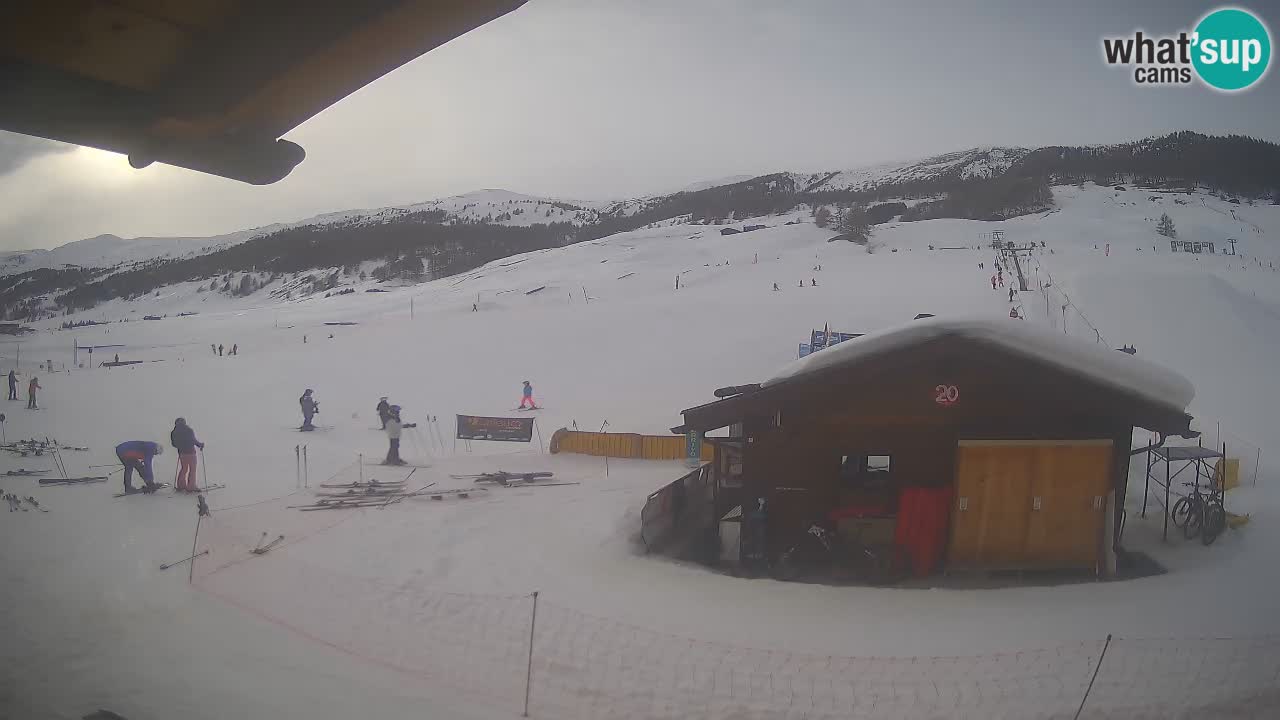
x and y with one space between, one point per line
1201 514
820 552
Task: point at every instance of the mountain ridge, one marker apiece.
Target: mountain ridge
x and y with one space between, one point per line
456 233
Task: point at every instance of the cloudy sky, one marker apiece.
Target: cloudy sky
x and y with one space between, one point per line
597 99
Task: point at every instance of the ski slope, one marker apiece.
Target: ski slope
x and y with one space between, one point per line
351 615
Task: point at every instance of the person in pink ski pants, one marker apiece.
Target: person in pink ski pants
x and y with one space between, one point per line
526 399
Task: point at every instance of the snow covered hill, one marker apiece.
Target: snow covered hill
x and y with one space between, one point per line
383 612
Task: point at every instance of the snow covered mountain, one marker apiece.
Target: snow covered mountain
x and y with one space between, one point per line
439 236
111 250
498 207
965 165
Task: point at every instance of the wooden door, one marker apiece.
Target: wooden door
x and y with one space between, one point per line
1071 482
1029 504
989 517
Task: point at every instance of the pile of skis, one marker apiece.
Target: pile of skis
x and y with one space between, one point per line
27 448
510 479
341 496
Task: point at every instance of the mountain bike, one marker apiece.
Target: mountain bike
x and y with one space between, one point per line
820 551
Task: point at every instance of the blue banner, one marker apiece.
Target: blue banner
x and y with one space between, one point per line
804 349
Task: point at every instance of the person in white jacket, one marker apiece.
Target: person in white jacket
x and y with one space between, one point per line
393 428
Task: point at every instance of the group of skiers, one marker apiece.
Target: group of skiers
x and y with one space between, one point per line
389 416
137 455
217 349
32 386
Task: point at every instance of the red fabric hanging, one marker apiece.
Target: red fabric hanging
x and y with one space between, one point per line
923 518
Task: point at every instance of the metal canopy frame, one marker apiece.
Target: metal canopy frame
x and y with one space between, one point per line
1197 456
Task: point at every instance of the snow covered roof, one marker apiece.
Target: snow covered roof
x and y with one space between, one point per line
1154 383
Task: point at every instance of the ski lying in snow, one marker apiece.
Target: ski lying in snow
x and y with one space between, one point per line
503 477
73 481
178 493
264 549
363 493
442 494
20 472
314 428
142 491
370 484
504 473
400 496
339 504
535 409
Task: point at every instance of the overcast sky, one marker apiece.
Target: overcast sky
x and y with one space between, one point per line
596 99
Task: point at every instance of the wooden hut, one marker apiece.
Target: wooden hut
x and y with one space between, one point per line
978 444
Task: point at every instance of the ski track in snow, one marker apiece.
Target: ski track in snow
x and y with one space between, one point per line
352 610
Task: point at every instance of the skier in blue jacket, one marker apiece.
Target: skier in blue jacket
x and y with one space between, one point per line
526 398
137 455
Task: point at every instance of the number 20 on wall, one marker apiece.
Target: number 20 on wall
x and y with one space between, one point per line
946 395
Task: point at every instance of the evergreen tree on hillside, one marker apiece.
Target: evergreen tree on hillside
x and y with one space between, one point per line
855 225
821 216
1165 226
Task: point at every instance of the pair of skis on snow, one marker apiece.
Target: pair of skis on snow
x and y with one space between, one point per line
341 502
161 486
509 479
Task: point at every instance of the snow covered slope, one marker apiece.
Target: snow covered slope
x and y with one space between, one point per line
383 613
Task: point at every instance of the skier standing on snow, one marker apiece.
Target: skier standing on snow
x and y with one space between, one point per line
219 350
526 397
384 411
13 385
137 455
1011 294
213 348
393 427
184 439
993 282
309 409
235 349
32 387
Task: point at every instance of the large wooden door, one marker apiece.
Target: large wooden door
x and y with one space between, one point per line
1071 483
989 526
1022 504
